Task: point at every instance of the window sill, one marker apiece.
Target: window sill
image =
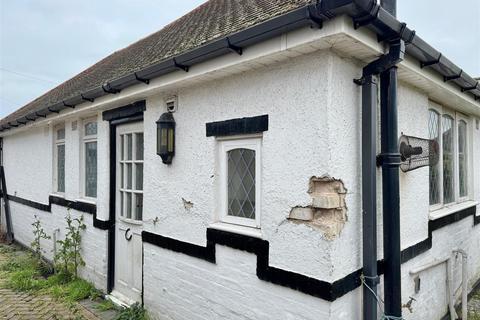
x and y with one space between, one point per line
449 209
234 228
86 200
58 194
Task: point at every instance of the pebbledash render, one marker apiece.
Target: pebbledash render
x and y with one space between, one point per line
255 210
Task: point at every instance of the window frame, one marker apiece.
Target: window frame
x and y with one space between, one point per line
251 142
132 129
457 117
84 140
460 117
58 142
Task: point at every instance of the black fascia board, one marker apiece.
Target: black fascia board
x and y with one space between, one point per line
127 111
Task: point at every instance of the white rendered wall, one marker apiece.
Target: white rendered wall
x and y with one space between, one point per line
28 162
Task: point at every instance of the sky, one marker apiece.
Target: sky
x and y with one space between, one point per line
45 42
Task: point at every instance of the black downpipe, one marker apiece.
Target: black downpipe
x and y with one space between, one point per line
369 195
390 161
369 185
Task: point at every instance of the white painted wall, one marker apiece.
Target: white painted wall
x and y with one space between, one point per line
314 129
28 161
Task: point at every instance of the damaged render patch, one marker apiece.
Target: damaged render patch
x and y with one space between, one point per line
327 211
187 204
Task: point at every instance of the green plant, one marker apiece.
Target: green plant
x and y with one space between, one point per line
38 234
135 312
106 305
68 258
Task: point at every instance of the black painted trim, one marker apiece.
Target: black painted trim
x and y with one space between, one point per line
237 126
311 286
127 111
29 203
126 114
59 201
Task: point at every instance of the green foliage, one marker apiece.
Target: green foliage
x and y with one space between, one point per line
38 234
68 258
72 291
106 305
135 312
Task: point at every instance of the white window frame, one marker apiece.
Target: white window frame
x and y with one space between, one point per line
251 142
456 189
124 129
84 140
57 142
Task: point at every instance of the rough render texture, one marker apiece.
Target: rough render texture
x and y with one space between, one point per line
314 115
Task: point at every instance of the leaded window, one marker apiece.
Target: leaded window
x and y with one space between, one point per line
59 155
90 158
241 183
434 169
448 177
462 158
240 162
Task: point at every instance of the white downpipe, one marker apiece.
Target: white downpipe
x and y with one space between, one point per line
450 291
54 238
464 283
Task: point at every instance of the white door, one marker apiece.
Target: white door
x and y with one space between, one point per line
128 213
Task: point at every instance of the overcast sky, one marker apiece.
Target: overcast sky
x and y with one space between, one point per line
45 42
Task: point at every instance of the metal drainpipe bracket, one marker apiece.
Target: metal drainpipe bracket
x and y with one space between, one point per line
389 159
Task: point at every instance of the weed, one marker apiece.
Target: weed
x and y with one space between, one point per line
38 234
68 258
135 312
106 305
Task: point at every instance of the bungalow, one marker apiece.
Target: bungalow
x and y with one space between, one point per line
255 160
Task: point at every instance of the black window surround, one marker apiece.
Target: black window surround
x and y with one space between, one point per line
238 126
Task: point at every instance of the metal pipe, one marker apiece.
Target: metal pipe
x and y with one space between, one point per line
369 195
464 282
369 188
390 161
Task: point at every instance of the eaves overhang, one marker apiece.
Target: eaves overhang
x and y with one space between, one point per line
364 13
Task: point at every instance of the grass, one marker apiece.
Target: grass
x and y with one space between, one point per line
135 312
24 273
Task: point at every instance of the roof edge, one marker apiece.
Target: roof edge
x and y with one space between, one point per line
366 13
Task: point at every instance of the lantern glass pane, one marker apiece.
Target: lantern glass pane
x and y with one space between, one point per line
164 139
170 140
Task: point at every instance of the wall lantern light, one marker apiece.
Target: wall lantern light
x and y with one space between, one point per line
166 137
